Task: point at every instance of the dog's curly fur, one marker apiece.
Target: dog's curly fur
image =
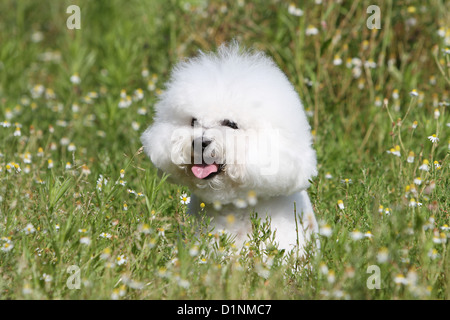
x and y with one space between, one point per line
257 134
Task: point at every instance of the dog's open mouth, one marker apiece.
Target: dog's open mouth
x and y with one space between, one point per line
206 171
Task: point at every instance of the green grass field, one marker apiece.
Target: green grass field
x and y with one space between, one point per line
84 215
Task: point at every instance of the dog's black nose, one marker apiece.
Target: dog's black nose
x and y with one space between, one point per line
196 143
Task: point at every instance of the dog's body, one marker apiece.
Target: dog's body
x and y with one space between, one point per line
280 209
231 127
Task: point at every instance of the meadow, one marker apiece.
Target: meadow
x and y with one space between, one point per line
85 215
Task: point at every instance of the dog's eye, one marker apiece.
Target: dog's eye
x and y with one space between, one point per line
193 121
229 123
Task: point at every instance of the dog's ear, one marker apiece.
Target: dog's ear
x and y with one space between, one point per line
280 164
154 141
298 163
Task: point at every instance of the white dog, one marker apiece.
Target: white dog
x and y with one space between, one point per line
231 127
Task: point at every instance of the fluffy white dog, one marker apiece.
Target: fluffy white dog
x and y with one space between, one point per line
231 127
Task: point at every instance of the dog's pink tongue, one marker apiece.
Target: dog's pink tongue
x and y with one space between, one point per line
201 171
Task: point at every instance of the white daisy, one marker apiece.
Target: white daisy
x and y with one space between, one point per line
185 199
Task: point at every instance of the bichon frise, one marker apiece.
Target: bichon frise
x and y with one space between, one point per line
232 128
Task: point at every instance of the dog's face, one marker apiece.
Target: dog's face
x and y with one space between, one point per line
231 123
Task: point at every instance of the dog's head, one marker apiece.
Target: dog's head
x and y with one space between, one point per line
230 123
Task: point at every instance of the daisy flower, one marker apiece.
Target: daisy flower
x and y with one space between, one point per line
240 203
161 232
370 64
106 253
193 251
50 94
105 235
293 10
418 181
326 230
37 91
5 124
17 132
357 235
125 102
414 93
144 228
121 260
27 157
142 111
395 94
340 204
251 198
145 73
395 151
400 279
26 289
383 255
337 61
323 268
151 86
135 125
436 114
437 166
433 254
29 229
433 138
217 205
17 167
75 78
183 283
118 292
331 276
40 152
85 170
185 199
46 277
230 219
7 246
138 94
346 181
413 203
378 102
328 176
410 158
64 141
368 234
311 30
71 147
439 237
425 165
85 240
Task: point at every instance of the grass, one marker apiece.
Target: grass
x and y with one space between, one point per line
68 212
